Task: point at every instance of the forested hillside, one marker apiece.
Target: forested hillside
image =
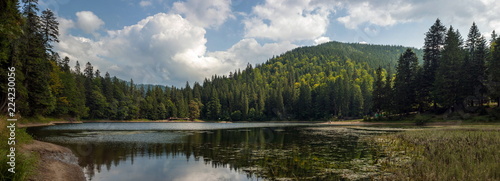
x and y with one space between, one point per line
331 80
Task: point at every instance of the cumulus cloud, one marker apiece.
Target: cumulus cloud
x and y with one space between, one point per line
204 13
88 22
164 49
283 20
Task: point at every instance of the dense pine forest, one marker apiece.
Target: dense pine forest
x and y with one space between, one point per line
327 81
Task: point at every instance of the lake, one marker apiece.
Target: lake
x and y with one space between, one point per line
216 151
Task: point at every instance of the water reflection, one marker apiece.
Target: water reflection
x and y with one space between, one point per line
305 153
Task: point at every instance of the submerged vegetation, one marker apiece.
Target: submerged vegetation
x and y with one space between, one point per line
453 153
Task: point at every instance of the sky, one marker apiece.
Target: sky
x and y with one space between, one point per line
169 42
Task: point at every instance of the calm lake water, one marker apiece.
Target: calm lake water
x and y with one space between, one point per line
216 151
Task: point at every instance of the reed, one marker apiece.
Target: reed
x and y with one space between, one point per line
457 153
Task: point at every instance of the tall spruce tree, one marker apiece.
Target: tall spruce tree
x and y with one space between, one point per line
49 28
35 64
447 85
474 65
378 91
405 84
387 94
11 24
494 72
433 46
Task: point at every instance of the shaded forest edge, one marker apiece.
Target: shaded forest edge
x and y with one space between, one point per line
456 79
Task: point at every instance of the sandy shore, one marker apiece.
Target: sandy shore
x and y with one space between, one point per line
56 163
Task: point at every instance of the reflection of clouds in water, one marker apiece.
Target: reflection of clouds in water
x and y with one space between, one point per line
175 168
204 172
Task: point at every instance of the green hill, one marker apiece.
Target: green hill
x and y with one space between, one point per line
329 80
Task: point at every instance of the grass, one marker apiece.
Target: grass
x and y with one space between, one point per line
457 153
25 162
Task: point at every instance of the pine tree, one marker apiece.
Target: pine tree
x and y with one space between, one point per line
378 91
447 85
405 84
35 64
388 93
304 102
474 65
11 24
494 37
214 108
49 28
494 72
434 42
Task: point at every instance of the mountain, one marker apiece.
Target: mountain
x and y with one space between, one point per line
317 82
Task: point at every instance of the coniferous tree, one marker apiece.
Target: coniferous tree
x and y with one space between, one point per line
474 65
447 85
304 102
405 84
35 64
49 28
388 93
11 24
378 91
434 42
494 72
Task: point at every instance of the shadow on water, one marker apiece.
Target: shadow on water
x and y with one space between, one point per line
270 153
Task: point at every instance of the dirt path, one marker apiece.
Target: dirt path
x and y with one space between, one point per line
57 163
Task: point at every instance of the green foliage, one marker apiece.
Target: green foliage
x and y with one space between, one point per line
448 73
405 83
194 109
434 41
494 72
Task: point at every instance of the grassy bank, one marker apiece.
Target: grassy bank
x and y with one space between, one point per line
25 162
454 153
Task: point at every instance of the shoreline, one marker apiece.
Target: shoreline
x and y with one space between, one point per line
333 123
56 163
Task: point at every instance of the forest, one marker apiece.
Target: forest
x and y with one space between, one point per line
333 80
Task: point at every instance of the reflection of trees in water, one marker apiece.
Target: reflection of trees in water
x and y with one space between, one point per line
294 153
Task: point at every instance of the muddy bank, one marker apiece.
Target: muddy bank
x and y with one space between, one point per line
56 163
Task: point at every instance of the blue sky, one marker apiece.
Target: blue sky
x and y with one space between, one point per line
170 42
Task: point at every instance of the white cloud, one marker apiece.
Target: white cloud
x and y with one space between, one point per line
163 49
208 14
284 20
451 12
321 40
145 3
65 25
250 51
88 22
